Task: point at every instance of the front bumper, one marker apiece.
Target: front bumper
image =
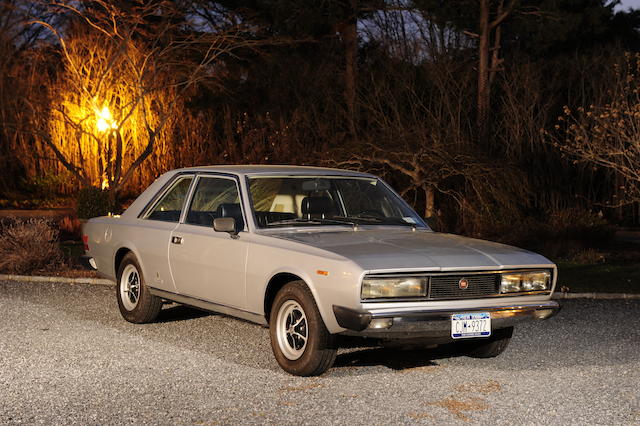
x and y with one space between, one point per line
434 323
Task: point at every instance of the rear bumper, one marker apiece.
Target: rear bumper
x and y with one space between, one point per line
433 323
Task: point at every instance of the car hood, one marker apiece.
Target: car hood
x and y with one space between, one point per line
385 249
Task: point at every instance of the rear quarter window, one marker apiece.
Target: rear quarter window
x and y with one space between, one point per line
169 206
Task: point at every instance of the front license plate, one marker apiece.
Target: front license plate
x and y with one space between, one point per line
476 324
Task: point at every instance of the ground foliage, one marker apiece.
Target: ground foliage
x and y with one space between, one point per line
401 102
29 246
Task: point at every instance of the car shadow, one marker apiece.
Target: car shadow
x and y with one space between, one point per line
177 312
396 358
361 352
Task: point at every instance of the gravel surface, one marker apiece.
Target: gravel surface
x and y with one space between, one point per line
68 357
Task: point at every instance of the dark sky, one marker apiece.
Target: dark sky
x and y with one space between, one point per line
625 4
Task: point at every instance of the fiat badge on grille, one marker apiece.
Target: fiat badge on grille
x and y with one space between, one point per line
463 284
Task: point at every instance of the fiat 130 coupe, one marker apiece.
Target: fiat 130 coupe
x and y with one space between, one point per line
314 254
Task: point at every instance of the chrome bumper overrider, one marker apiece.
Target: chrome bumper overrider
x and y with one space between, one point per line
433 323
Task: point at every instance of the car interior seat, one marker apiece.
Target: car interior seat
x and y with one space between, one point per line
317 207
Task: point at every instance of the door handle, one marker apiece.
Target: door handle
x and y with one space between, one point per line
176 240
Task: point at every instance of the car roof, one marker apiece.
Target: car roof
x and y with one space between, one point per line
257 169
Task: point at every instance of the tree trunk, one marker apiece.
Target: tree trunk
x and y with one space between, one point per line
350 39
113 200
429 202
482 117
496 61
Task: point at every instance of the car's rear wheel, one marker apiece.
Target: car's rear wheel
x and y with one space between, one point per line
492 346
135 301
300 341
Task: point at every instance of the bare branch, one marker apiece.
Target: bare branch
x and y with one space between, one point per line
503 13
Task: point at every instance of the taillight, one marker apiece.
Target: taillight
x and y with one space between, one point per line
85 242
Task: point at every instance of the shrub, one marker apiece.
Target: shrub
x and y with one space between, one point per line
29 245
606 136
564 234
589 256
70 227
581 225
93 202
47 184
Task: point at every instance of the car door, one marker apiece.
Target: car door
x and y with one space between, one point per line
154 230
206 264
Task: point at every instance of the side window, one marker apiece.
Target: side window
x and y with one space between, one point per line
168 208
213 198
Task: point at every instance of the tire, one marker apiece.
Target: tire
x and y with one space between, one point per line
135 301
305 348
491 347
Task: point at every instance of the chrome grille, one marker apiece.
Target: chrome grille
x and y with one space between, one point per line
446 286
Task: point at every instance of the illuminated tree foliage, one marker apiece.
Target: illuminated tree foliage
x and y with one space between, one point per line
127 71
106 110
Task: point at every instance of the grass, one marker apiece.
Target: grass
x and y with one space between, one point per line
611 277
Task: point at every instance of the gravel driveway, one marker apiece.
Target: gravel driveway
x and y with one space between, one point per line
66 356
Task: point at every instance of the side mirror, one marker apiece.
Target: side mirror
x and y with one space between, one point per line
225 224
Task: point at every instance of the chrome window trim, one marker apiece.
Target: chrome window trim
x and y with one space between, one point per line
192 191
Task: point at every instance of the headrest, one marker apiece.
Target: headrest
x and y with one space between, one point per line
229 210
317 205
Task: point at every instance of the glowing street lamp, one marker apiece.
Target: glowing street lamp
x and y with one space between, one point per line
104 123
105 120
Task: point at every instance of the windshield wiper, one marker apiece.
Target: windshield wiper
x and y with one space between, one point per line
341 222
314 220
382 220
367 217
347 220
290 221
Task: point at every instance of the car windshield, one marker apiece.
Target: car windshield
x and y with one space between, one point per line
327 200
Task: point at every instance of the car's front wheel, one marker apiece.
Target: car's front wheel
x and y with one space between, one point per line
135 301
491 347
300 341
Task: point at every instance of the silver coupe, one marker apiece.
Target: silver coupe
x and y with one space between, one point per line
315 254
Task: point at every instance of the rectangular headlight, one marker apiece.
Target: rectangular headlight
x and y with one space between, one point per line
377 288
513 282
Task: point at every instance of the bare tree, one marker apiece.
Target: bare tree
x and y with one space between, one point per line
489 62
127 70
349 32
425 146
608 136
16 41
410 34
